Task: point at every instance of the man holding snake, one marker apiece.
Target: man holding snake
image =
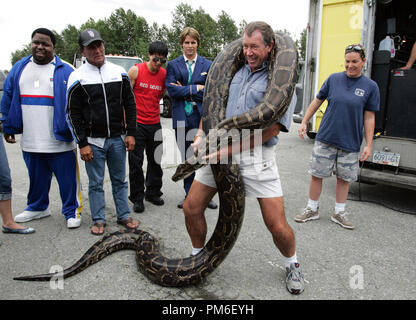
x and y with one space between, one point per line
258 165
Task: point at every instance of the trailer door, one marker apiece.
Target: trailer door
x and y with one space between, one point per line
341 25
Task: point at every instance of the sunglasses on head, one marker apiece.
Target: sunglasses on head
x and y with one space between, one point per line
354 47
156 60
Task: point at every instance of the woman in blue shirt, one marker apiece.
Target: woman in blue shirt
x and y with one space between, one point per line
353 100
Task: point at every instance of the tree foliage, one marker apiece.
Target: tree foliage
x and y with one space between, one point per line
127 34
301 44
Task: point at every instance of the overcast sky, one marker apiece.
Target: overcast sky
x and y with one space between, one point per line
19 18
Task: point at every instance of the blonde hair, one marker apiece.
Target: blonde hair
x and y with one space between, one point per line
189 31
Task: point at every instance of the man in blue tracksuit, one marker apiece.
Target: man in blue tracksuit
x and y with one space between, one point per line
33 105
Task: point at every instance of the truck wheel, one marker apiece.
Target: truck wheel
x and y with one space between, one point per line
167 107
311 135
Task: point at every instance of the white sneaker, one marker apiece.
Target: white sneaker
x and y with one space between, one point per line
26 216
72 223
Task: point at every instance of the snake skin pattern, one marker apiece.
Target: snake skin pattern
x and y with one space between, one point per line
191 270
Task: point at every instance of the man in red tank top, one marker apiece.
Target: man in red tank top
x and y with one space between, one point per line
148 83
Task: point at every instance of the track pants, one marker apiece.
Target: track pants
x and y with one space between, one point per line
65 167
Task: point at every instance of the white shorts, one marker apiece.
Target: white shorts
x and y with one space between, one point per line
261 178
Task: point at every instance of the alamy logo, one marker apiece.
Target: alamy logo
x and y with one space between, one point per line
359 92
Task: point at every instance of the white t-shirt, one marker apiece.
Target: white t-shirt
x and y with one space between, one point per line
37 100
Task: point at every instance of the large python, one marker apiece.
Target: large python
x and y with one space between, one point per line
191 270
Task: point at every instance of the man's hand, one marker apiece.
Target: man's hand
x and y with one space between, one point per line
86 153
129 142
197 141
177 84
9 138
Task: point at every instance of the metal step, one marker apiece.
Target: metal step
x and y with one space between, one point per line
401 180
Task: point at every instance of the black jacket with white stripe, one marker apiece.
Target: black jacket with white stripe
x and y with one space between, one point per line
100 103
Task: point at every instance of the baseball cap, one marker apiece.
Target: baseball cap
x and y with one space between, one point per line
88 36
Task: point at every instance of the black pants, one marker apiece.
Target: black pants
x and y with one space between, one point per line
145 141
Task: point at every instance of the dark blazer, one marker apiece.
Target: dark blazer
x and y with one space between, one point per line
177 71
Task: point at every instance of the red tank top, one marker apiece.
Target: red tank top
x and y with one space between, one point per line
148 91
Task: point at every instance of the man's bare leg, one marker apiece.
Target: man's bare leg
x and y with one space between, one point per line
194 207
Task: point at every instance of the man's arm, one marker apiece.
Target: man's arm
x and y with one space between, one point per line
5 107
236 148
176 88
76 99
129 106
199 86
132 73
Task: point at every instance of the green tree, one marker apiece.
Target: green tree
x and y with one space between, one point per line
301 44
130 33
185 16
19 54
242 26
126 33
67 43
182 17
207 28
226 28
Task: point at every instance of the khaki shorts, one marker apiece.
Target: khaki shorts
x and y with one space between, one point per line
261 180
327 159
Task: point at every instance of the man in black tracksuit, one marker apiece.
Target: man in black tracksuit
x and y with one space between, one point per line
101 112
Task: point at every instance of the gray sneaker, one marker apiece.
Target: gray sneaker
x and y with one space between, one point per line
295 283
307 215
341 219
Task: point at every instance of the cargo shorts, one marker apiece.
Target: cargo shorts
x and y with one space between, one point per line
327 159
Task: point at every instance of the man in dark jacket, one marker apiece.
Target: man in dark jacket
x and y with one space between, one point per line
34 105
101 112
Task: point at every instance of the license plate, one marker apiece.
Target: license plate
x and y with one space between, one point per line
389 158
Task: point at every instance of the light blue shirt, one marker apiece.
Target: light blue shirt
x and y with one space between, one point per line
247 90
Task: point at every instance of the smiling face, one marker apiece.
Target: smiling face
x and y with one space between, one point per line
255 50
42 48
354 64
94 53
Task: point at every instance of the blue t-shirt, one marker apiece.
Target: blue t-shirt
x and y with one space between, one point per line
348 98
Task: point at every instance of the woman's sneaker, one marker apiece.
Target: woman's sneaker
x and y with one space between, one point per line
295 283
342 220
307 215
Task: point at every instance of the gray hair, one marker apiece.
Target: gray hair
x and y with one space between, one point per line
266 31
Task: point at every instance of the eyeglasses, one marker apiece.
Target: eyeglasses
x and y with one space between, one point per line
156 60
354 47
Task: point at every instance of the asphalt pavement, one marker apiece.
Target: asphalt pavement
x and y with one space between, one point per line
373 262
